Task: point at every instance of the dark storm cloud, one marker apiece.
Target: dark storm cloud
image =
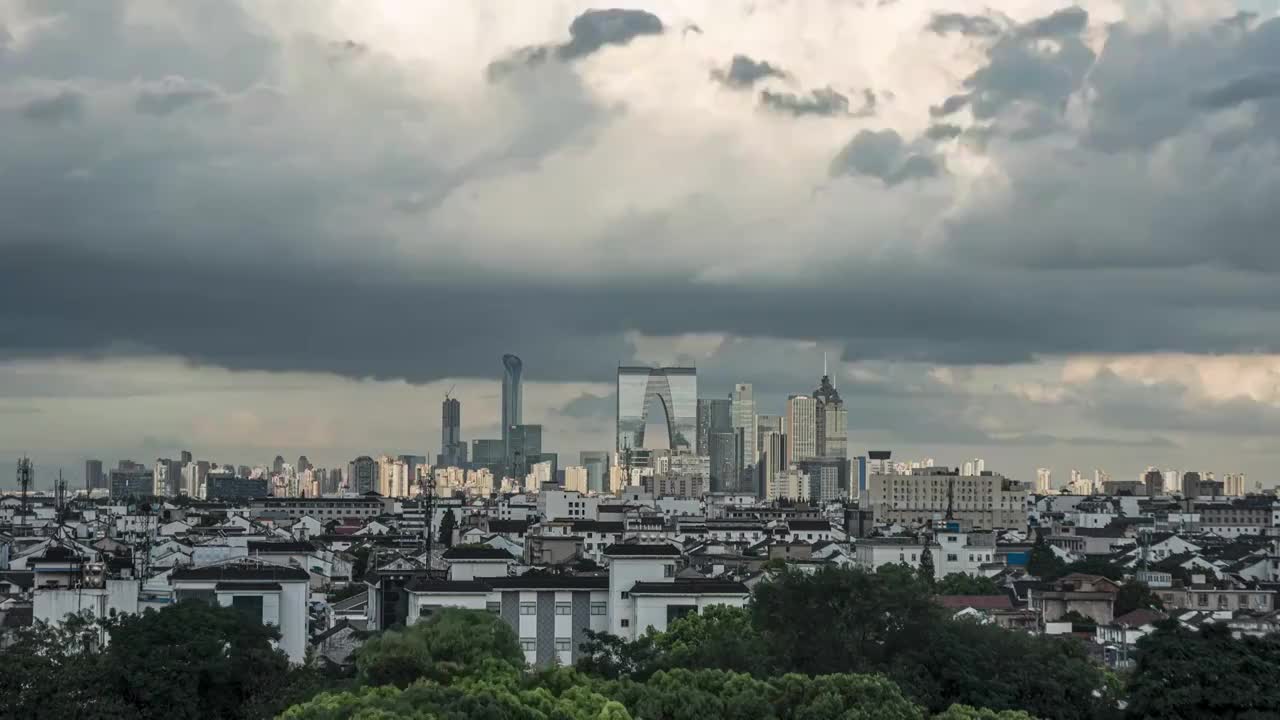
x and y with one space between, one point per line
588 33
968 25
743 72
943 131
883 154
820 101
1260 85
170 95
1067 21
950 106
65 106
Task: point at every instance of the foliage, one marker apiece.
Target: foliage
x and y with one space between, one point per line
926 569
1075 618
1093 566
962 584
1043 562
967 712
451 643
1206 674
448 523
1135 595
189 660
841 620
608 656
720 638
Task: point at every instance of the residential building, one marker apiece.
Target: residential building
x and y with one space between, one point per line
1044 481
989 501
790 484
363 475
828 478
323 509
597 464
235 488
276 595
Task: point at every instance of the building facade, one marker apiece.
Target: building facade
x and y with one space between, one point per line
715 415
802 428
675 388
987 501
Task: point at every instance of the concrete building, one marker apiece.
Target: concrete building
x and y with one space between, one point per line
362 475
1044 481
275 594
322 509
791 484
676 391
597 464
575 479
988 501
93 477
715 415
802 428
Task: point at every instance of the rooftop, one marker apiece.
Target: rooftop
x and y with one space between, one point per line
641 550
690 587
477 553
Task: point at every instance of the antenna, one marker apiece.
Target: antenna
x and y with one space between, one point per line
824 364
25 475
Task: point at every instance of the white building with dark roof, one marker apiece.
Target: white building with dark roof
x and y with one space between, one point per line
275 594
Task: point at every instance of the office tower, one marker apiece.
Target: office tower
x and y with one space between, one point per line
802 428
676 388
989 501
1154 480
596 463
512 393
828 478
766 424
714 416
453 451
491 453
185 457
303 464
1044 481
131 481
362 475
724 462
832 419
1190 484
277 465
744 418
130 466
773 459
879 462
524 446
1233 484
167 475
93 478
859 470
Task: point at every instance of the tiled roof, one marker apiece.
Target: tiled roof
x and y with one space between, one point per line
646 550
240 571
978 602
477 553
690 587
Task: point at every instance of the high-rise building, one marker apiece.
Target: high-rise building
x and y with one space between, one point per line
743 409
453 451
185 457
828 478
1044 481
724 462
93 477
793 484
575 478
802 428
490 453
676 389
596 463
1233 484
766 424
524 445
167 475
132 482
362 475
303 464
715 415
832 420
1154 480
512 394
773 459
1190 484
277 465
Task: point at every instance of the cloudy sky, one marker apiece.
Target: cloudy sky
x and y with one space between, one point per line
1040 233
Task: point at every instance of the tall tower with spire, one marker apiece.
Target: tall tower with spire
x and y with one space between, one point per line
833 419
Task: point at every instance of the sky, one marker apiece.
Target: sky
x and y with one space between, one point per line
1039 233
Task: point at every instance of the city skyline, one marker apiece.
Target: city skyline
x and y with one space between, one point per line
1012 236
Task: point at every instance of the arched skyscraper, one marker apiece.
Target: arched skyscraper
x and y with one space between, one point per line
676 388
512 369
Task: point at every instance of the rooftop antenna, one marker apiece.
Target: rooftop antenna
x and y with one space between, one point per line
824 363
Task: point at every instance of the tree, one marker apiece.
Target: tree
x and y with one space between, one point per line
1043 562
927 573
1093 566
1135 595
720 637
962 584
968 712
447 525
608 656
450 643
1208 674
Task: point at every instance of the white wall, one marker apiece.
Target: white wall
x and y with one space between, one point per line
624 573
651 610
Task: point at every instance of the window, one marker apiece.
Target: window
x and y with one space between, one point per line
248 605
493 607
951 557
564 609
528 644
564 644
626 622
625 594
1202 599
599 608
669 571
528 608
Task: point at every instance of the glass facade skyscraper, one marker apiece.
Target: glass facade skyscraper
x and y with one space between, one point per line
512 394
744 418
714 416
676 388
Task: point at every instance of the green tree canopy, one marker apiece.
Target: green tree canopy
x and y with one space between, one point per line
449 643
962 584
1206 674
1135 595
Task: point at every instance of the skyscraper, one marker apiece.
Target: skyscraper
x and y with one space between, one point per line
512 395
277 465
724 462
524 448
596 463
93 478
1044 481
802 428
362 475
773 459
744 418
714 416
676 388
832 420
453 451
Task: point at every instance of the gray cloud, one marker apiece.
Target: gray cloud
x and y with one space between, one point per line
882 154
743 72
588 33
1067 21
950 106
819 101
171 94
66 106
943 131
1258 86
969 25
